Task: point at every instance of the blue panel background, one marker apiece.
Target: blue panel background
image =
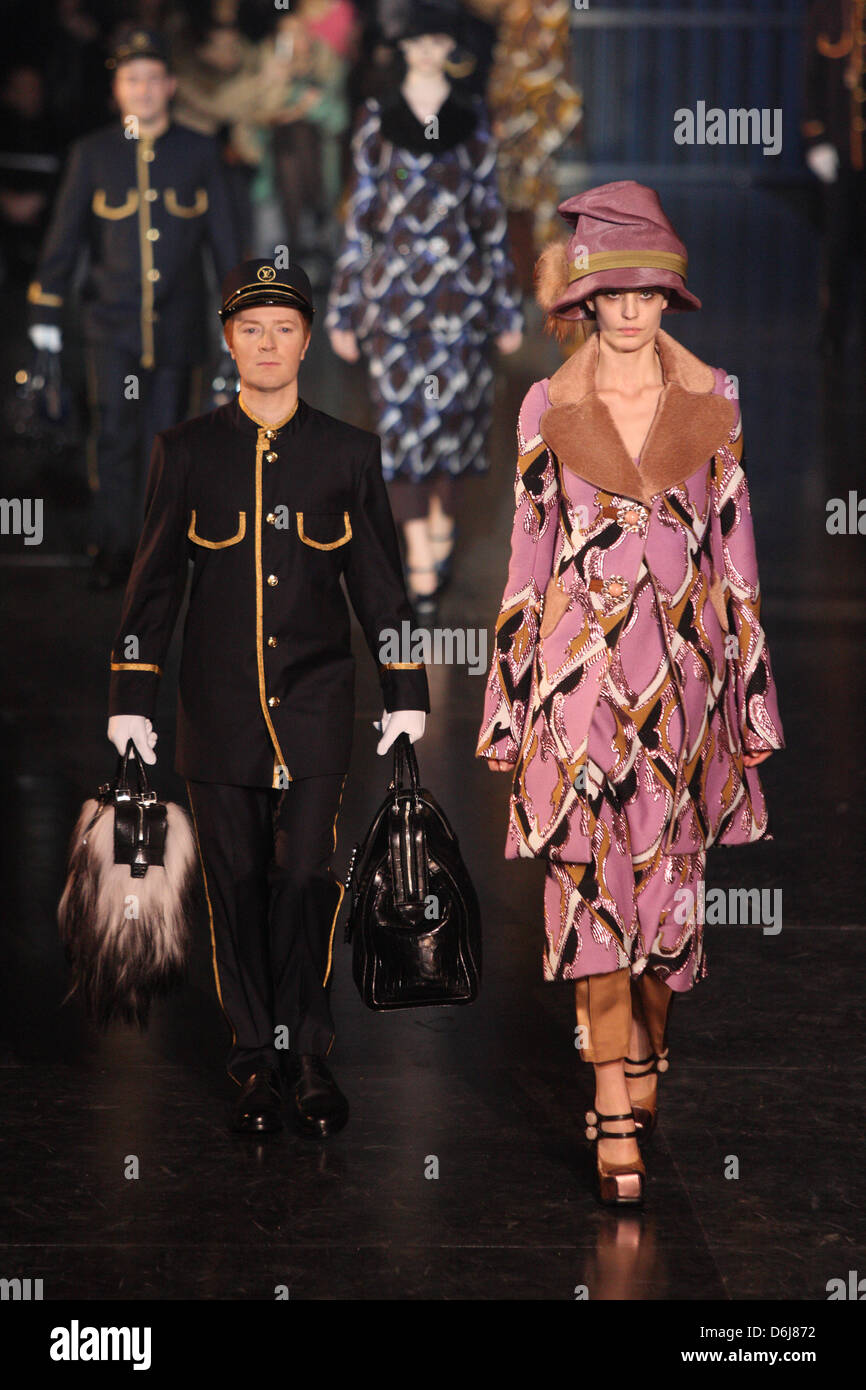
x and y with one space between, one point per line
638 62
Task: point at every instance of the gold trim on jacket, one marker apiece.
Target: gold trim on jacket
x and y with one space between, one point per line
199 207
324 545
136 666
218 545
36 295
114 212
263 443
144 148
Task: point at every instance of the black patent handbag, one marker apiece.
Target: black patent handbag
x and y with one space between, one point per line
414 921
139 816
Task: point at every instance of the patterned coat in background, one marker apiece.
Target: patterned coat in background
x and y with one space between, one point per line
425 280
539 109
628 587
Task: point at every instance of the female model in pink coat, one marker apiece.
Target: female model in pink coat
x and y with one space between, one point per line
630 693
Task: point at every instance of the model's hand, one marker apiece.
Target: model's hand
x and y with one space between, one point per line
276 68
509 342
123 727
399 721
299 108
345 344
823 160
752 759
499 765
46 337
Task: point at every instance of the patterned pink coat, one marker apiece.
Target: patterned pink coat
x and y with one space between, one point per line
633 598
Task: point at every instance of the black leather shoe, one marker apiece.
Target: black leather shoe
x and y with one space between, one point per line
316 1103
258 1107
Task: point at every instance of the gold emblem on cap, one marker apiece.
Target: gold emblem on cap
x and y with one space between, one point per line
140 40
266 272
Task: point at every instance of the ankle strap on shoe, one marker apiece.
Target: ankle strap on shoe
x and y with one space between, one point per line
648 1063
594 1128
658 1062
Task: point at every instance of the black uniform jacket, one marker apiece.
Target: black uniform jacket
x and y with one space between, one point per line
271 517
834 96
143 209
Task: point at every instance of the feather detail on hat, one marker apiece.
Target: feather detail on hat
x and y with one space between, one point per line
551 274
551 282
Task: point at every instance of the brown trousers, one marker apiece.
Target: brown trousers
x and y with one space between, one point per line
605 1006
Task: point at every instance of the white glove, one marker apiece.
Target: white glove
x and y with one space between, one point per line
46 337
399 721
123 727
823 160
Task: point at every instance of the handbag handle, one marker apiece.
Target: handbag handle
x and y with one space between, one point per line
405 766
122 782
407 847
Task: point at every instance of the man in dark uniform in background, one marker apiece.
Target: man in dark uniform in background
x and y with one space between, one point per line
833 127
142 197
273 501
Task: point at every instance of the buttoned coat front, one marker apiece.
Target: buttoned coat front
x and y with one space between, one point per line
632 599
273 518
143 210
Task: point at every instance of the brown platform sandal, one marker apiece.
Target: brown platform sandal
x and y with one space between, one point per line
645 1110
618 1184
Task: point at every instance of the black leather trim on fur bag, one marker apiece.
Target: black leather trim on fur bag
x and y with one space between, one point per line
415 921
126 910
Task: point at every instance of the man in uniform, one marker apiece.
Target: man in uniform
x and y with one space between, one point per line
273 501
142 196
834 134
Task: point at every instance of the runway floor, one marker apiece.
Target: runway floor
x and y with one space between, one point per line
768 1054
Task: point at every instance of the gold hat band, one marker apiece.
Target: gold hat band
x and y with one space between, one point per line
263 287
619 260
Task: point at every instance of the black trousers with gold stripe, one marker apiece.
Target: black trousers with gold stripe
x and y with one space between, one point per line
273 902
129 406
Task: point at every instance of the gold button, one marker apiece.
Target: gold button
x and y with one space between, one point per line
153 275
150 195
152 234
270 518
271 457
274 701
272 641
270 434
148 155
272 579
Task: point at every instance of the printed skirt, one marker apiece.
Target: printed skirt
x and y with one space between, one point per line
633 905
433 403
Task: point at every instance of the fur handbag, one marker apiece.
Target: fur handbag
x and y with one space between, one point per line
125 913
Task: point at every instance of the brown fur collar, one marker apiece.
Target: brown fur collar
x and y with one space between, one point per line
691 422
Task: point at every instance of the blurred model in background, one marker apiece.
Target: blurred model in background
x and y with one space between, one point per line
534 110
424 285
142 198
834 134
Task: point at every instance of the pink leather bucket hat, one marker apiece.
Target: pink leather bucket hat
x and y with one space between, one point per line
621 240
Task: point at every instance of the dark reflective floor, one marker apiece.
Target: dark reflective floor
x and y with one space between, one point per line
768 1053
